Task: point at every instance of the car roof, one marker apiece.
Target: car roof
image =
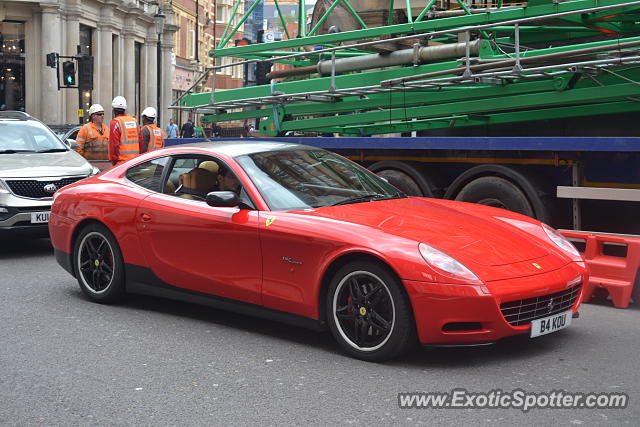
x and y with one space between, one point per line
16 115
244 146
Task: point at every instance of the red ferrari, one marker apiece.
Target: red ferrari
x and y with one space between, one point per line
302 235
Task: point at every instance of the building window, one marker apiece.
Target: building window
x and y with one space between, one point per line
221 13
12 72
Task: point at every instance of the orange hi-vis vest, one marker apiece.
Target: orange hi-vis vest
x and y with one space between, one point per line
93 143
156 138
129 138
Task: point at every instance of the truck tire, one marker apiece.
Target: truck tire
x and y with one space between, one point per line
409 179
635 293
497 192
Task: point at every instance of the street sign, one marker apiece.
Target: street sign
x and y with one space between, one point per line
80 112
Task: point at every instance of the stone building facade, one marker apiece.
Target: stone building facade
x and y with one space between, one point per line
119 34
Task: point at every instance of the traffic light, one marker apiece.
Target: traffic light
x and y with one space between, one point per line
69 73
242 42
262 69
85 72
52 60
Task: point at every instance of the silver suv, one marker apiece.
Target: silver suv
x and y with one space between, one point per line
34 163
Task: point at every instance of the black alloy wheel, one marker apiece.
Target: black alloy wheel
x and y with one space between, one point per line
98 264
369 313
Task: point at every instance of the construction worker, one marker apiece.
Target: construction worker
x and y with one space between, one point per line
93 137
124 133
151 137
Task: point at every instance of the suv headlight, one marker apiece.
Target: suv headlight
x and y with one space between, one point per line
446 263
3 187
561 241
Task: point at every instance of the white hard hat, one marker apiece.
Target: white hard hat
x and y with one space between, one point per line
95 108
149 112
119 102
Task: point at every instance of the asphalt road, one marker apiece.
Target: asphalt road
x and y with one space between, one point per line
65 361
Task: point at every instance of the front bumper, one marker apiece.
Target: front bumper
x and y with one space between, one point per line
15 213
470 314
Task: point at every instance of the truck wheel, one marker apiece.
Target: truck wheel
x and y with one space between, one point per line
411 179
401 181
496 192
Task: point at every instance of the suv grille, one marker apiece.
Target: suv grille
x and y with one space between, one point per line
35 189
522 312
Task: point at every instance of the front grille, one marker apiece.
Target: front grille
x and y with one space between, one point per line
522 312
35 189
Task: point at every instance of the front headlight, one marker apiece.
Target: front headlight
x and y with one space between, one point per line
561 241
446 263
3 187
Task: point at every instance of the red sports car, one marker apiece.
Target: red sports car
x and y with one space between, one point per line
302 235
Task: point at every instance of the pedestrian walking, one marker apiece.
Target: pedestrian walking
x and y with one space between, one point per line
151 137
187 129
93 137
172 129
124 133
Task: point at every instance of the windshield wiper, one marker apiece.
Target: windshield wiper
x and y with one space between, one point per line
15 151
360 199
52 150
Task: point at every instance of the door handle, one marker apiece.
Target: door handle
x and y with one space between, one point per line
145 217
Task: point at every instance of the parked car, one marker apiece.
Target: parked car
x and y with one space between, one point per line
66 131
34 164
302 235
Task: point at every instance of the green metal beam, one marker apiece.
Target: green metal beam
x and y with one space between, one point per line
493 119
425 26
585 95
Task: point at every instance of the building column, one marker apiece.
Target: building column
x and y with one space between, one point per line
150 72
71 49
104 68
51 105
166 97
129 76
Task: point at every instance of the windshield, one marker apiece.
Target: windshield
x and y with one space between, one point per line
27 136
302 179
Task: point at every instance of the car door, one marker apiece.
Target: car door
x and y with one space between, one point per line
194 246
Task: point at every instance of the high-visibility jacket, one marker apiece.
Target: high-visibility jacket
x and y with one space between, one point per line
129 147
156 137
93 142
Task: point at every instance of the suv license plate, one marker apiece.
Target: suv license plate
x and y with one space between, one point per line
551 324
39 217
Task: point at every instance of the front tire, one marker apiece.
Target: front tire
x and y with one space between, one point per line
369 313
98 264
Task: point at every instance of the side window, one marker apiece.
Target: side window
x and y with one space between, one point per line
193 177
148 174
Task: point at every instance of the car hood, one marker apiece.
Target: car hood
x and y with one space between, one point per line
27 165
470 237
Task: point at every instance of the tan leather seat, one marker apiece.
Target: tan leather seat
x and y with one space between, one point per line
169 187
197 183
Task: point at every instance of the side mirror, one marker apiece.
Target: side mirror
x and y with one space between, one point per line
71 143
223 199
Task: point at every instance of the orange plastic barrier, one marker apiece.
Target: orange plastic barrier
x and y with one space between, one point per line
616 274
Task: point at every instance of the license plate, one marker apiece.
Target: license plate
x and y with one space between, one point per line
551 324
39 217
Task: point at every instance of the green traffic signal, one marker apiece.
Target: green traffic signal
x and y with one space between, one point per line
69 73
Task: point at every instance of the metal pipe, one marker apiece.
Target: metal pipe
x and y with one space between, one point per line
399 57
512 62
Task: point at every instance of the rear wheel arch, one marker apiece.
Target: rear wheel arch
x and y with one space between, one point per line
532 186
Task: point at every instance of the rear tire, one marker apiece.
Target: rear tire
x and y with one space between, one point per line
98 264
368 312
497 192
